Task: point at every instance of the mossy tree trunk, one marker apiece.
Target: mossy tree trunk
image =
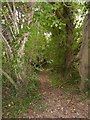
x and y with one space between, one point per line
67 16
69 21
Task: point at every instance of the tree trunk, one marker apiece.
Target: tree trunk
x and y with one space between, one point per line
84 64
68 17
69 21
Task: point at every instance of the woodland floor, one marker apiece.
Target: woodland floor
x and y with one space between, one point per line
56 104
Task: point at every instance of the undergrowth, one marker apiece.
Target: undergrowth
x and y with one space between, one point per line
69 86
15 103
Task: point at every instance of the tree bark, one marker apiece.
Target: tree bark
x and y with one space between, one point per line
67 17
69 21
84 54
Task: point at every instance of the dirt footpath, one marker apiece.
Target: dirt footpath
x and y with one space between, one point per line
57 104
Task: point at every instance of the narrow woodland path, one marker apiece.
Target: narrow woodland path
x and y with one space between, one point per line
57 104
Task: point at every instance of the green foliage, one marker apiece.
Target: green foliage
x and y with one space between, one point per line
16 103
36 43
65 80
57 42
47 40
68 86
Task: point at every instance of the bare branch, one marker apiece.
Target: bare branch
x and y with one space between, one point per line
8 46
9 78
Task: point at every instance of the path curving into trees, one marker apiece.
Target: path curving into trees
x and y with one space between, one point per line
57 104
